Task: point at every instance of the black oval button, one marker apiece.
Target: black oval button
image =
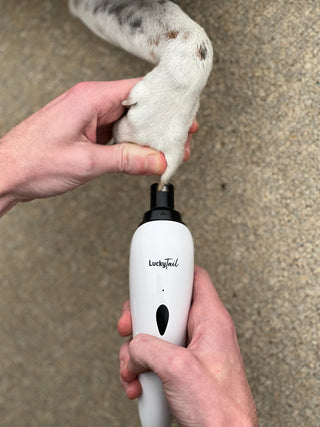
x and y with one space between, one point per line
162 317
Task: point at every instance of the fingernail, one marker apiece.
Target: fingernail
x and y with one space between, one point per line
194 127
153 164
186 155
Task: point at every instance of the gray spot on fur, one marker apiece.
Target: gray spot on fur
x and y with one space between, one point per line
117 9
101 6
127 12
76 3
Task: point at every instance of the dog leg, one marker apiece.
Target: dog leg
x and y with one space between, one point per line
162 106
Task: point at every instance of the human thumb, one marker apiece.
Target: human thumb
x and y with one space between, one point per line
127 158
149 353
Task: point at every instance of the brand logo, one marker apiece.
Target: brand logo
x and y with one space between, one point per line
164 263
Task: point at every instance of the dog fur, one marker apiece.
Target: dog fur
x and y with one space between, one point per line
163 105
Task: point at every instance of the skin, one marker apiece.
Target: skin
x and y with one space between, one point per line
205 383
62 146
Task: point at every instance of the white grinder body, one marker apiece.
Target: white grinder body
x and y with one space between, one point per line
161 280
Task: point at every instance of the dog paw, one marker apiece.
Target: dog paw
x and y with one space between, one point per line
160 114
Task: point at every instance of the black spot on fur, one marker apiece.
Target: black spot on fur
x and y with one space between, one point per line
118 11
136 23
202 52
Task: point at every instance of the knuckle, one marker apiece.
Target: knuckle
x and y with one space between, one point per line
122 158
182 367
87 164
123 352
179 362
80 88
135 344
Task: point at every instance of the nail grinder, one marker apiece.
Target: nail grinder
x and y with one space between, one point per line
160 279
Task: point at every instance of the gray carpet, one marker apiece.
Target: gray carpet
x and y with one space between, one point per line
249 194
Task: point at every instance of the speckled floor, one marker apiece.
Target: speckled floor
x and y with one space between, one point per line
249 194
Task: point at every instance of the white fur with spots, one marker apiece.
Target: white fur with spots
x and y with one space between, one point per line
164 103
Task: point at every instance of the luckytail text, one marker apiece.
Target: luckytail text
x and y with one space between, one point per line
164 263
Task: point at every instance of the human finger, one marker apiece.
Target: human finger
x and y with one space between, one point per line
101 99
129 380
187 148
211 331
203 288
109 100
207 308
125 321
149 353
128 158
194 127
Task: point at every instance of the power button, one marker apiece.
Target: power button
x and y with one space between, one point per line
162 317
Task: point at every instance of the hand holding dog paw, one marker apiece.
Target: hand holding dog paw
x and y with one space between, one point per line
63 145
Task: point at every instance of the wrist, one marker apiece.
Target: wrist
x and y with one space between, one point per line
7 196
6 203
